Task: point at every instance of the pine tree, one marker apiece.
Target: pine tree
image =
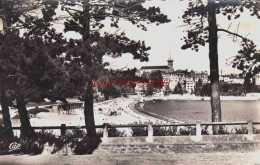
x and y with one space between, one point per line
86 18
18 15
201 33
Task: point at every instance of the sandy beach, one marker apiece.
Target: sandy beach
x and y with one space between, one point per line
124 107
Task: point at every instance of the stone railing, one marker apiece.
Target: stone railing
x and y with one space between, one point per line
149 138
198 126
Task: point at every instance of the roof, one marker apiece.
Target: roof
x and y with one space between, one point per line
155 67
72 100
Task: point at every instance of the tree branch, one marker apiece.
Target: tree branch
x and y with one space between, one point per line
244 39
235 34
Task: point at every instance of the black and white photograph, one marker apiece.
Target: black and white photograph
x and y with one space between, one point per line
129 82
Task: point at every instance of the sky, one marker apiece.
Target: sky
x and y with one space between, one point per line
165 39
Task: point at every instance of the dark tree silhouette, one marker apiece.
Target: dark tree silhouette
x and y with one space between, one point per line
156 78
201 33
86 18
198 88
13 58
178 89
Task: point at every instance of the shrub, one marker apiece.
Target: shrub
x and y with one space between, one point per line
31 146
26 146
113 132
204 131
224 130
139 131
242 130
36 145
59 144
188 131
86 145
76 133
256 131
4 144
100 133
46 137
164 131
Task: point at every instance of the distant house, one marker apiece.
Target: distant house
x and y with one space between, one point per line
166 70
203 76
190 86
257 79
72 100
231 79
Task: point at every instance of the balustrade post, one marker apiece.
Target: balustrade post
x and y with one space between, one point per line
198 129
250 130
149 138
198 132
105 132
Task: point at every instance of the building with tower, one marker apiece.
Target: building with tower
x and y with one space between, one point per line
165 69
186 78
170 65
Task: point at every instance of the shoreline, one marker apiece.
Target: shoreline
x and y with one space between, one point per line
192 97
139 106
132 112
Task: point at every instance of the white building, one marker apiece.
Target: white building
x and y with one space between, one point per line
186 78
190 86
231 79
166 70
257 79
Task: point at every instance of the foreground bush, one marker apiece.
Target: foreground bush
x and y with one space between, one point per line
113 132
1 131
76 140
204 130
244 130
86 145
187 131
25 146
164 131
139 131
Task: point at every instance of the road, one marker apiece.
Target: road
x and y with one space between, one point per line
231 158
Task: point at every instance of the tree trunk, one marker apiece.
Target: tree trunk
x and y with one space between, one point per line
5 21
88 100
214 70
26 129
86 24
89 111
8 132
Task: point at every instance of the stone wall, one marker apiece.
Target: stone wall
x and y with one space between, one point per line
179 144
